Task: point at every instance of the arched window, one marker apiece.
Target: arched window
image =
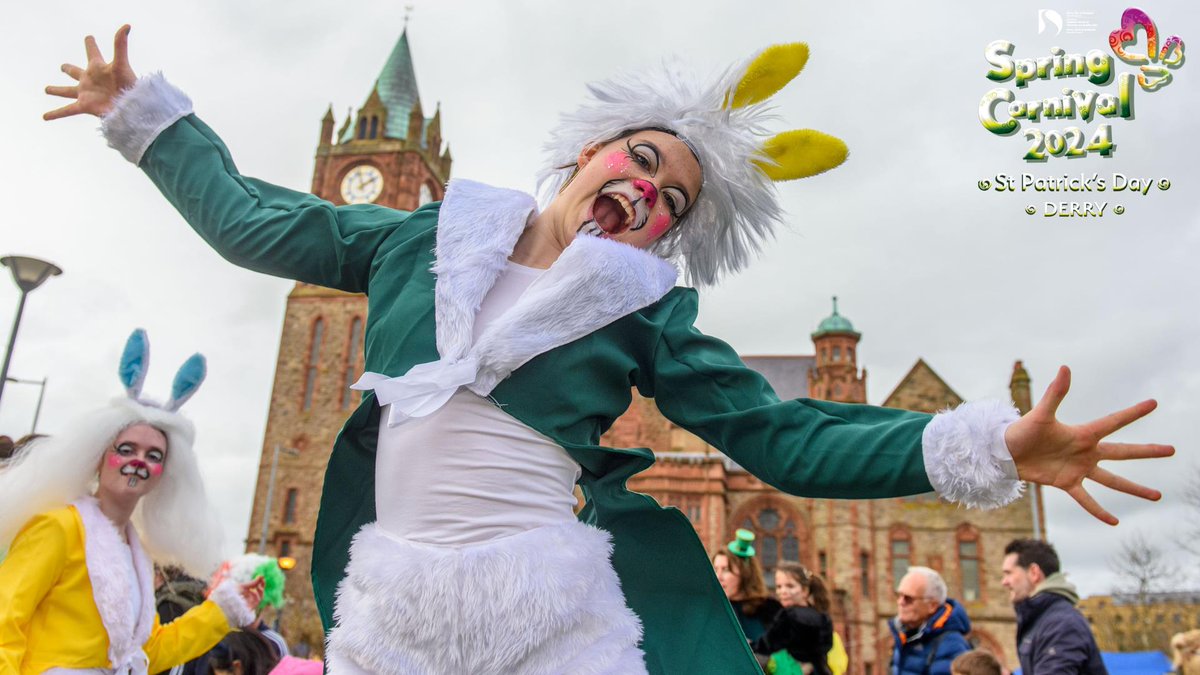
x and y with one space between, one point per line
374 126
864 573
776 539
352 352
968 563
901 551
362 128
314 356
289 505
837 353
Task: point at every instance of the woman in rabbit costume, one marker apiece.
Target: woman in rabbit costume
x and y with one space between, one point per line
503 340
76 589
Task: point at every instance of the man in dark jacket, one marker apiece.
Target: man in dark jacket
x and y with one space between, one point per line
929 630
1052 636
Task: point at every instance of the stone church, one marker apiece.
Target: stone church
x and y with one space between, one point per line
389 153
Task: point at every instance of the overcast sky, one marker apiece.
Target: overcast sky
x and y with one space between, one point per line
925 263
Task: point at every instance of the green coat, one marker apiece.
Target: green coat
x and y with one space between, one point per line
571 394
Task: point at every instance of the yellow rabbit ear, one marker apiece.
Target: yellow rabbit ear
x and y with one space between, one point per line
769 72
801 153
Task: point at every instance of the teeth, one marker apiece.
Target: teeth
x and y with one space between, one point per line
624 202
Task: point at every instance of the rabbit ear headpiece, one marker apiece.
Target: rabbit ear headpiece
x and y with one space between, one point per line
135 361
723 123
176 520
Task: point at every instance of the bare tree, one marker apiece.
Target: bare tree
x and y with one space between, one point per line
1144 574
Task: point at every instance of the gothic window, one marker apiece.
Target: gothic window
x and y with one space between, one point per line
776 539
425 195
289 505
374 126
314 355
362 128
837 353
901 556
864 571
352 351
968 563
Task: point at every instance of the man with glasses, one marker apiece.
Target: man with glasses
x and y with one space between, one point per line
929 630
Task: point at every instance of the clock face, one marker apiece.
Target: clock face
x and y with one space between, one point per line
362 185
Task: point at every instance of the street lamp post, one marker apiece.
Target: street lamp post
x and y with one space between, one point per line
28 273
37 412
266 517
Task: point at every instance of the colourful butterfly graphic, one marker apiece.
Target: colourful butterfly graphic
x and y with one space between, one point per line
1171 56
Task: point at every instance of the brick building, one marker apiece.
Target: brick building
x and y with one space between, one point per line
389 153
386 153
1132 622
861 547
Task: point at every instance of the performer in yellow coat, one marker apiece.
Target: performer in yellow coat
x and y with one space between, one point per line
76 588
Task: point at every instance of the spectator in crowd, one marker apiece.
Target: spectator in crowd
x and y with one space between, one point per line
175 592
976 662
801 637
929 629
741 578
245 652
1185 652
1052 636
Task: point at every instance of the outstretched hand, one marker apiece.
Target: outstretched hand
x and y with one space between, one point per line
1048 452
99 83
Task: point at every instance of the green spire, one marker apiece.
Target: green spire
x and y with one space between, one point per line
397 88
835 323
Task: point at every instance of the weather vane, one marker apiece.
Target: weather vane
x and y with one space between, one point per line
407 12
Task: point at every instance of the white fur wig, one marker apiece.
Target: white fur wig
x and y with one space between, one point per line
737 208
175 520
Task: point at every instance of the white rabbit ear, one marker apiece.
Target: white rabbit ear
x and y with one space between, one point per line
189 378
135 361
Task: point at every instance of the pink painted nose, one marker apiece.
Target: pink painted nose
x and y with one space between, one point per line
649 192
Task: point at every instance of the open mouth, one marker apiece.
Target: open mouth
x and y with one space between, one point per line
612 213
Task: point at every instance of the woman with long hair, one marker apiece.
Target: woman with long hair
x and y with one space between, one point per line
503 338
801 636
77 586
741 578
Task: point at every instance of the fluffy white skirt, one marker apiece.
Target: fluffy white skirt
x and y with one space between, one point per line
546 601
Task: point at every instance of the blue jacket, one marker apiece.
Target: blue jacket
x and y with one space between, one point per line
1053 638
930 650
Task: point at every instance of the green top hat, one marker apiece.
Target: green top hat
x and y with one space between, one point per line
742 545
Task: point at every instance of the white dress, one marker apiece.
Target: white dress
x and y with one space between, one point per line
476 563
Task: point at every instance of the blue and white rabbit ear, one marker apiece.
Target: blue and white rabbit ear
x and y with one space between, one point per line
135 361
187 381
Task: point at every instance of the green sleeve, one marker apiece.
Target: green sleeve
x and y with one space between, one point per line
803 447
260 226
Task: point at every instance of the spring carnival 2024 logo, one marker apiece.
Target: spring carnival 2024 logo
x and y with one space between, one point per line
1002 111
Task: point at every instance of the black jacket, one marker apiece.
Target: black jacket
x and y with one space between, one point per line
805 633
1053 637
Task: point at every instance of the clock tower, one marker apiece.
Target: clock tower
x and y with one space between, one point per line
386 153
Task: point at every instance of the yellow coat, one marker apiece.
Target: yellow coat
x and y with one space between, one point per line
48 612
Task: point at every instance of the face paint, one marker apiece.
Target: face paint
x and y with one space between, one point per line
617 162
662 223
114 460
136 469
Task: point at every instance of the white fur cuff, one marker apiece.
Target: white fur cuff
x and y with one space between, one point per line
141 113
228 596
966 458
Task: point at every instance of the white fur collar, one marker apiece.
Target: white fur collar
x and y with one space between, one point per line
593 283
106 564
